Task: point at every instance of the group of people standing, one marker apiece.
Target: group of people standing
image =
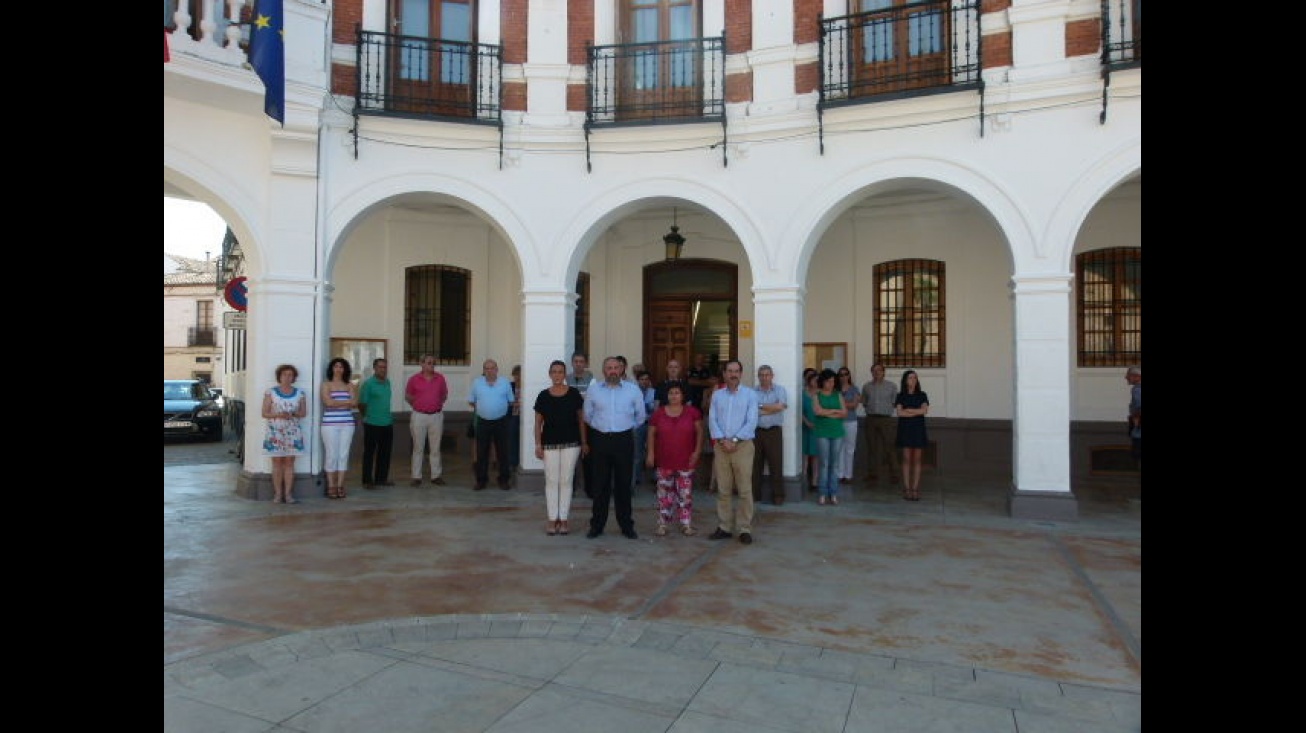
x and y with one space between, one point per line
895 421
606 429
604 425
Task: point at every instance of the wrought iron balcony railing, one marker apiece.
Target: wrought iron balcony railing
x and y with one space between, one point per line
1122 42
412 76
1122 33
906 50
201 336
656 81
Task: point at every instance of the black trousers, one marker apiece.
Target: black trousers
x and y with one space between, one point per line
582 477
491 432
612 461
768 449
377 442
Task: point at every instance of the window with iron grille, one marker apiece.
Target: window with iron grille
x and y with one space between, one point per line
910 313
437 314
1109 300
581 324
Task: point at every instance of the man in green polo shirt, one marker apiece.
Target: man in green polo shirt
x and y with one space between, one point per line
378 426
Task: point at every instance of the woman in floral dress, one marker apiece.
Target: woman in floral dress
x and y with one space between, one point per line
283 407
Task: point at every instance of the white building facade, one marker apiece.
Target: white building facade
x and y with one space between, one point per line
995 189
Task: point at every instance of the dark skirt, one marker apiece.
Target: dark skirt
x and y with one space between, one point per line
911 432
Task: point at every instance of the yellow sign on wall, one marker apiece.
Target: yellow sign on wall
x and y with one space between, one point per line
745 329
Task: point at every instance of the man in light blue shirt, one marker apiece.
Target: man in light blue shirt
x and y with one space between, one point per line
732 423
768 445
613 409
491 398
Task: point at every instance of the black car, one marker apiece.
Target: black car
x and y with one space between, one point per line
189 408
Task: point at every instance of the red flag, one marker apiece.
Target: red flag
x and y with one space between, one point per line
166 57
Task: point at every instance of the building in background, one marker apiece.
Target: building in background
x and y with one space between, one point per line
950 186
193 338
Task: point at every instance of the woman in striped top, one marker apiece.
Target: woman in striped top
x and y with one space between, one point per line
339 400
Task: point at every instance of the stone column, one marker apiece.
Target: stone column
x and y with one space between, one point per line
780 344
1041 427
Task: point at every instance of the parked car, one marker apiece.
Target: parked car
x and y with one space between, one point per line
190 408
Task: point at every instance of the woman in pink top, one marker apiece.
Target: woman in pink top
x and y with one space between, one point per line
675 440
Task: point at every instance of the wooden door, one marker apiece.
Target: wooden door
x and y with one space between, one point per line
660 77
433 62
902 46
669 335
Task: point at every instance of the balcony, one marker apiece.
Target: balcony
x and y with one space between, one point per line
1122 33
216 30
907 50
411 76
201 336
655 82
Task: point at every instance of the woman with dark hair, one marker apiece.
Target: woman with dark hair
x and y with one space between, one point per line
912 405
811 458
339 400
828 429
673 446
561 435
283 407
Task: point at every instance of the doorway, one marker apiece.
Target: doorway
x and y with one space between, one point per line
690 308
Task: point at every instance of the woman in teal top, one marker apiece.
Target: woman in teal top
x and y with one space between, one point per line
828 428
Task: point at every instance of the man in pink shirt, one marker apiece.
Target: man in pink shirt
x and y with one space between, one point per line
425 394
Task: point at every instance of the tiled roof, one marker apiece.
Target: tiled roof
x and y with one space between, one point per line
179 270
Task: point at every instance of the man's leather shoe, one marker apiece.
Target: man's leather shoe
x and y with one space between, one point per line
385 483
720 534
778 500
504 485
369 485
630 534
745 538
417 482
592 534
438 481
479 485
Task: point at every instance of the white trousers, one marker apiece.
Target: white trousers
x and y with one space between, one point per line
849 451
336 439
559 470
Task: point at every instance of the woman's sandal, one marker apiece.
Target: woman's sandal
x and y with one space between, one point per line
563 528
688 530
661 530
552 529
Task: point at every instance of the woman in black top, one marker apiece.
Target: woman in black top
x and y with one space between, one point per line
912 405
561 435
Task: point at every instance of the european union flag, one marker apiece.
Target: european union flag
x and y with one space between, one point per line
267 54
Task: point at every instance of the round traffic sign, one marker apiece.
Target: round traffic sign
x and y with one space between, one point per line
237 293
